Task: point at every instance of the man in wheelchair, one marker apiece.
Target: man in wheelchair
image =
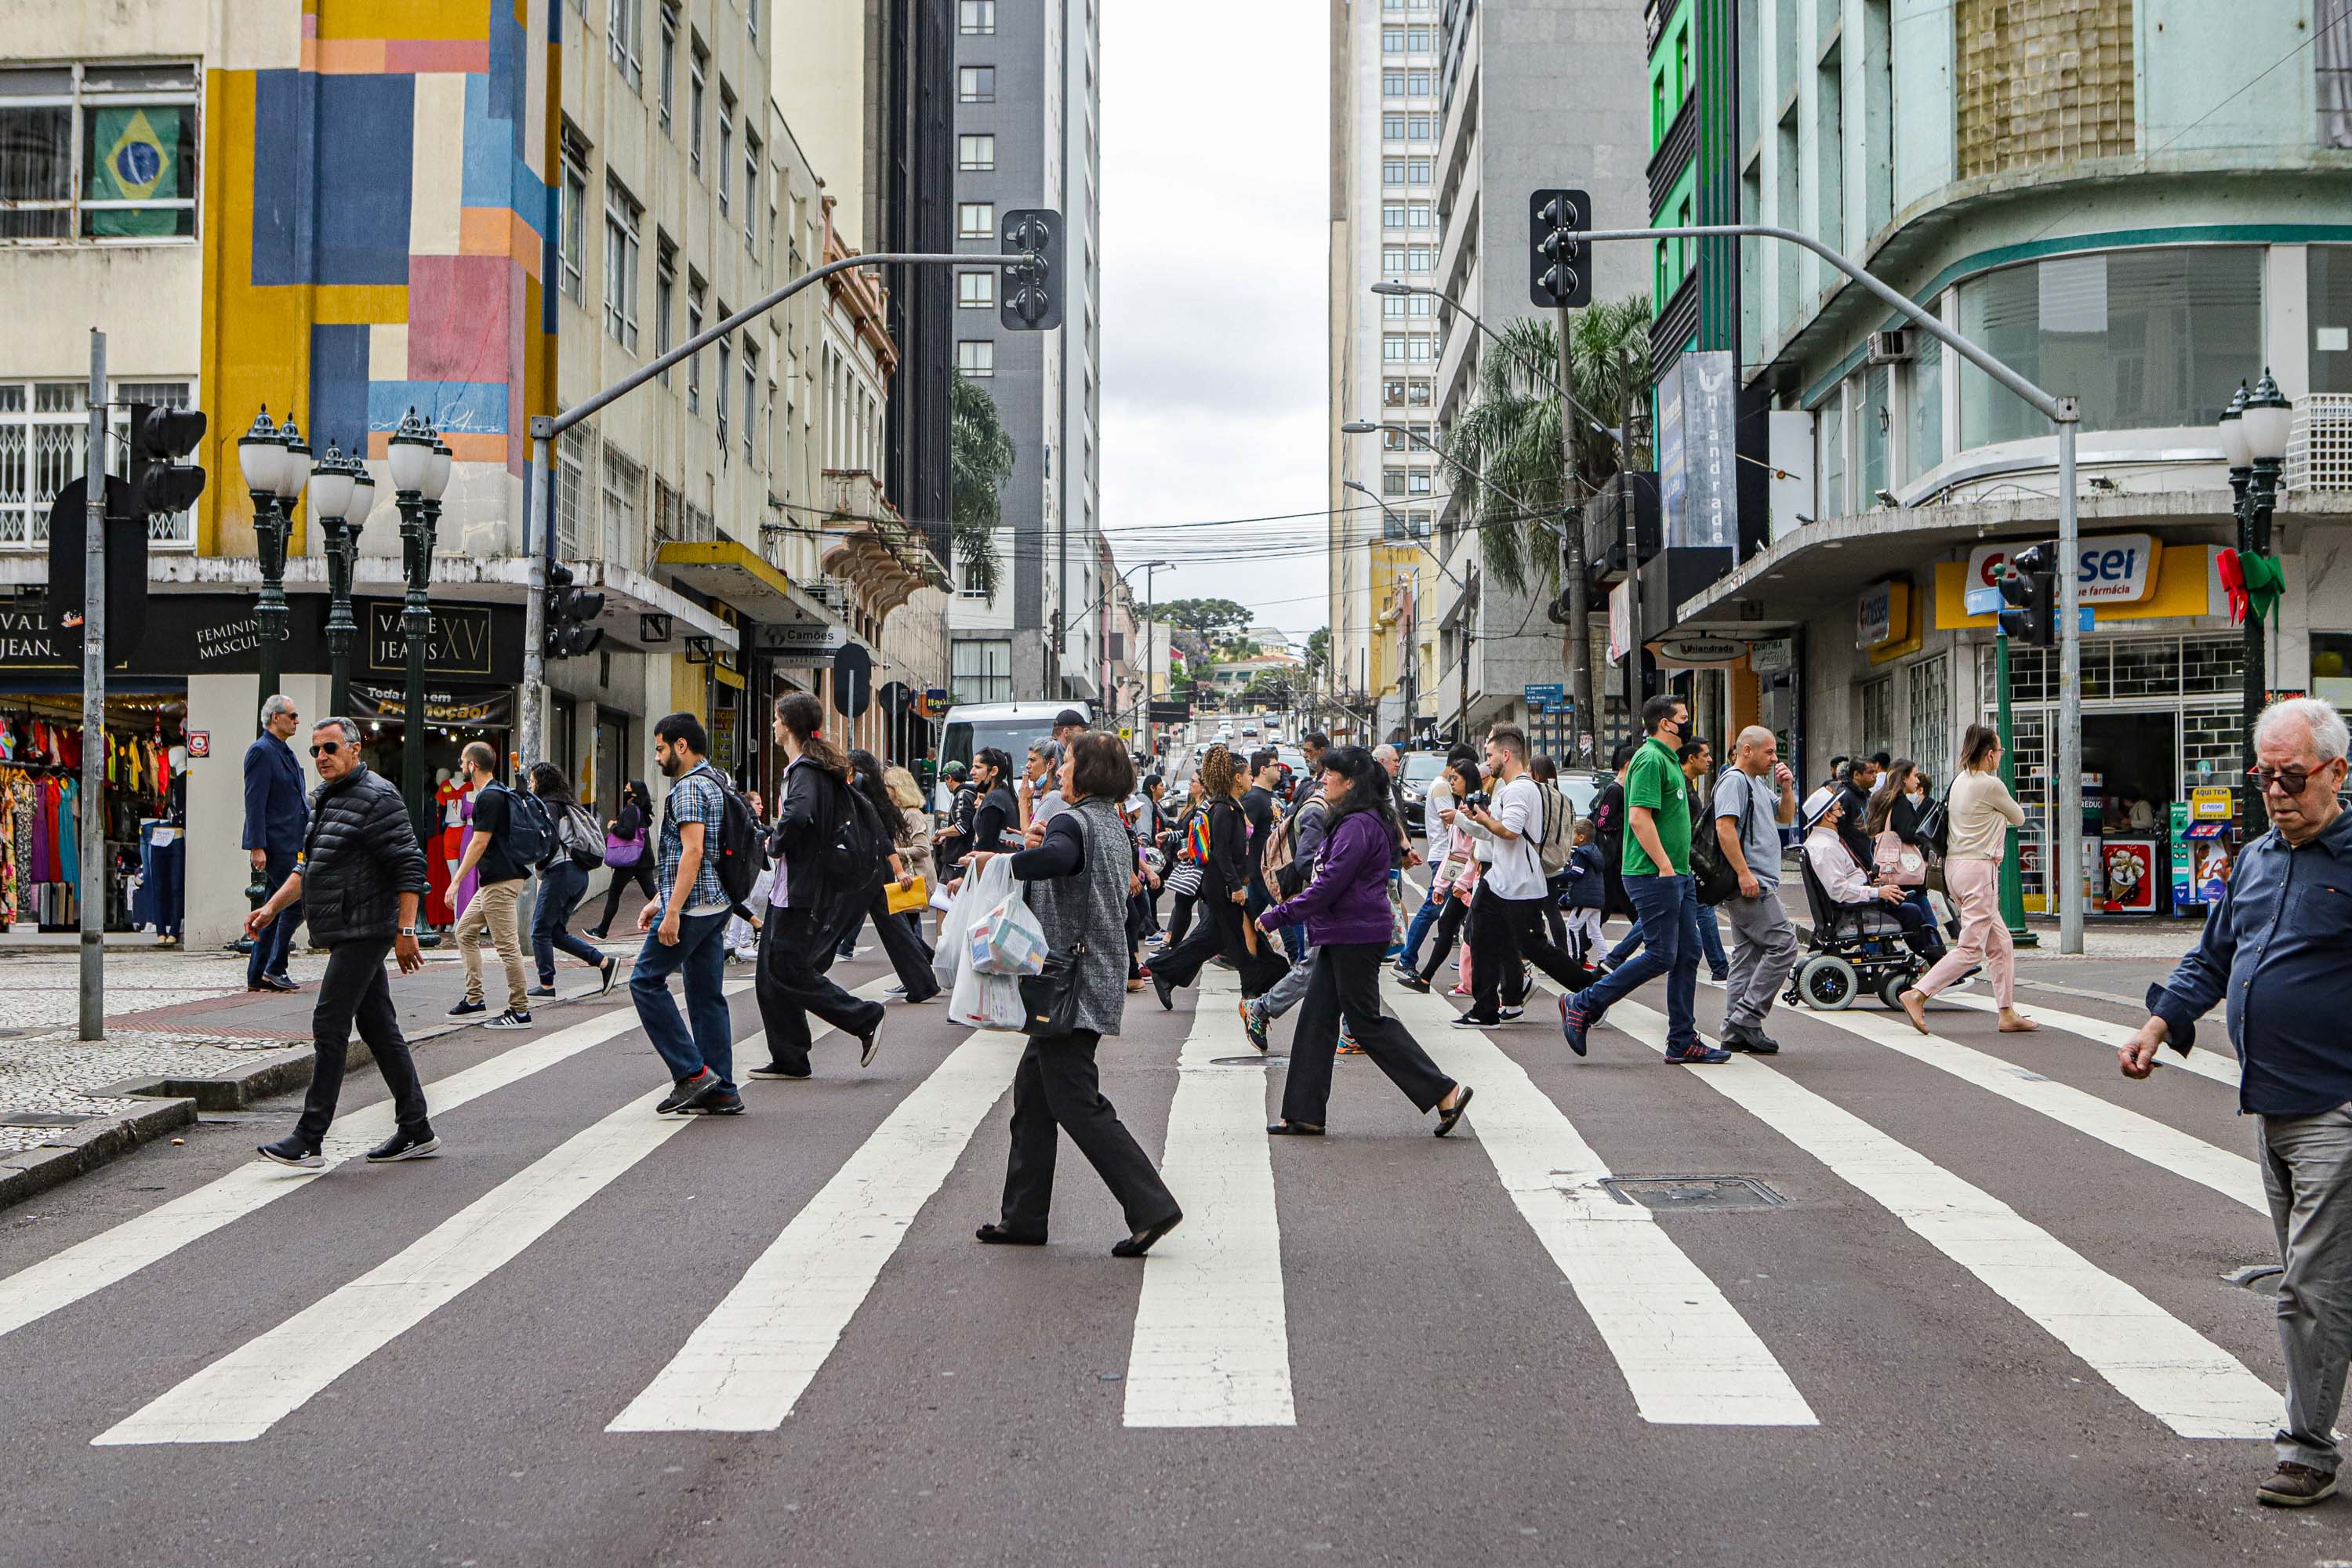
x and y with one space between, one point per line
1851 891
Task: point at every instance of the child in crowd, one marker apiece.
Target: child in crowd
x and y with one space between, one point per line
1588 890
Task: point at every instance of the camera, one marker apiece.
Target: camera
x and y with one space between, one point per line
1477 801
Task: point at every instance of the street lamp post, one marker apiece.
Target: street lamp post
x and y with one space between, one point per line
418 476
271 460
333 492
2254 431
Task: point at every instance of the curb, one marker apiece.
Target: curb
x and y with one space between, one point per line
95 1143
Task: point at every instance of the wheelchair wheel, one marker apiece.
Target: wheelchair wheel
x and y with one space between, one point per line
1827 982
1891 989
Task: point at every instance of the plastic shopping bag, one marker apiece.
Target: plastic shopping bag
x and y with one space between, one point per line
1008 940
986 1001
979 890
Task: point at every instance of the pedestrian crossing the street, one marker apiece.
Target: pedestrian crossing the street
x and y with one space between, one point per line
1217 1340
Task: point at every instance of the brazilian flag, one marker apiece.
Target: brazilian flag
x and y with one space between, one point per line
134 155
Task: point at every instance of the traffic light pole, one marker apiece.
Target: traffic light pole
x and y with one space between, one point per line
539 500
93 704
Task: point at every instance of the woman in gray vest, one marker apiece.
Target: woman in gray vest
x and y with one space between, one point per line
1079 868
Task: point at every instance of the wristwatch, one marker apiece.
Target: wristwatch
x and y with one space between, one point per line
408 931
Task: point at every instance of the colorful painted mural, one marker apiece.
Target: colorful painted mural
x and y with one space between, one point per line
380 225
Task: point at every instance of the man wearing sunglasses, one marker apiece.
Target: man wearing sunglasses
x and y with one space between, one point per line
361 879
2279 948
275 818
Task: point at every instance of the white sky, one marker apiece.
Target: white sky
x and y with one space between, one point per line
1215 256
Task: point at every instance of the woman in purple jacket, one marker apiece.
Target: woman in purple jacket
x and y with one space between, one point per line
1346 911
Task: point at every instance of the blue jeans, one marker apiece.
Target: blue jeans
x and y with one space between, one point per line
560 888
277 938
701 955
1625 945
1710 940
1431 906
1665 913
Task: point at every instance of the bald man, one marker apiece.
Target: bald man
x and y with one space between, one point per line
1754 798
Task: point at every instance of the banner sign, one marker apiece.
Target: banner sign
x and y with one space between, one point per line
1698 486
476 710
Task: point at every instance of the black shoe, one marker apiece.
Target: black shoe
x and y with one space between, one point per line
726 1102
1138 1244
687 1090
405 1145
997 1235
1749 1038
1411 982
869 1043
611 972
773 1071
1446 1119
1510 1014
596 935
467 1009
540 991
512 1018
1166 991
1472 1021
1286 1128
291 1151
280 983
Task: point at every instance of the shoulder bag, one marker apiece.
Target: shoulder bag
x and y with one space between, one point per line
1900 863
1049 998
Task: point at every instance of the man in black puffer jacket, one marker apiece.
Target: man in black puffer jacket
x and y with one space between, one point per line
361 876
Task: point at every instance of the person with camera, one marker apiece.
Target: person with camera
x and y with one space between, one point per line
1507 923
1076 867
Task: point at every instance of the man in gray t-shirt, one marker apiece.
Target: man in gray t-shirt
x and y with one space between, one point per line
1754 798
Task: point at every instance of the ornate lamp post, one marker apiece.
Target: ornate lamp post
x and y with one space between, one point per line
419 469
2254 430
331 489
271 460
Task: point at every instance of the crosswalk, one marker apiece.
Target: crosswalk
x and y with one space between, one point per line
1216 1341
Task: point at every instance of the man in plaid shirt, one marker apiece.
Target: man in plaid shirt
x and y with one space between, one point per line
691 907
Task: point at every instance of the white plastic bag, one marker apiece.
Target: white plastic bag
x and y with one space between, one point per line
979 890
1008 939
986 1001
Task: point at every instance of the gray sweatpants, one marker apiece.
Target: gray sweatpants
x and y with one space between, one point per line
2307 1171
1763 948
1285 992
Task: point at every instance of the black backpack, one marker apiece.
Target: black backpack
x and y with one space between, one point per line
853 855
529 837
741 852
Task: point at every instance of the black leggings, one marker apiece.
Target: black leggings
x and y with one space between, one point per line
641 874
1220 935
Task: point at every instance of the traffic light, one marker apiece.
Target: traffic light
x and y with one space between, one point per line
160 485
570 611
1556 271
2029 593
1032 299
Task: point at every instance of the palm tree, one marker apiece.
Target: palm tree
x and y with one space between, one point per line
979 460
1510 433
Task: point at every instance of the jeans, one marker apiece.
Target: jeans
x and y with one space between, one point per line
1418 927
1665 913
170 874
560 888
2307 1173
489 916
701 956
354 989
1710 941
277 938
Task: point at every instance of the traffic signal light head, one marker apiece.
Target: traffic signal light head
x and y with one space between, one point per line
160 485
2029 595
1556 275
570 611
1032 292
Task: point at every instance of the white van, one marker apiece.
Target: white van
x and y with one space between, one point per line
1010 727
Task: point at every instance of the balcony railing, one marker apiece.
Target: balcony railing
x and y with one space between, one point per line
2319 452
1676 150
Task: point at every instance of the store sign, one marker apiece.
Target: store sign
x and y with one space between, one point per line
803 643
1699 653
1882 616
457 644
1773 656
1620 620
1697 481
474 709
2115 568
2212 803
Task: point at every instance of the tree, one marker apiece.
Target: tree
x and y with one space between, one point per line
1268 690
979 460
1511 434
1318 653
1201 629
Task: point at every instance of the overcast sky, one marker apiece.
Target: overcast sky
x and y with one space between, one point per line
1215 191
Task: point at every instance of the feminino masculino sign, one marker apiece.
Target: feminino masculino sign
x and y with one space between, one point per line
211 634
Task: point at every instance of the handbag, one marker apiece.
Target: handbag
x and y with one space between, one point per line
914 896
1900 863
623 852
1049 998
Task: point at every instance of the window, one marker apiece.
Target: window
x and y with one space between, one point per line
1926 447
1417 127
624 483
1392 481
1392 127
693 331
982 671
1418 482
1392 394
621 219
1416 394
1392 259
698 71
975 220
976 356
976 84
1417 172
1417 524
2151 338
1392 307
1391 214
1832 467
1393 348
1418 215
1422 305
98 152
571 489
1416 40
726 146
1391 84
2329 295
1416 84
1417 258
1420 349
750 401
623 35
751 18
1874 428
751 193
968 584
976 154
725 375
665 288
571 241
44 428
976 18
1392 170
976 290
1392 40
666 87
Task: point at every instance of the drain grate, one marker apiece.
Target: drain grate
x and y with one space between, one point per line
2259 1278
1677 1194
44 1119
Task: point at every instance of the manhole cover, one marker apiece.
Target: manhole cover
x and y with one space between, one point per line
43 1118
1678 1192
2256 1277
1253 1059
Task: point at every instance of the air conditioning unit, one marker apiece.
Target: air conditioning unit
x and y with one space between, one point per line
1889 348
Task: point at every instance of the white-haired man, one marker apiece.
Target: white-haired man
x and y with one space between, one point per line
276 817
2278 947
1754 799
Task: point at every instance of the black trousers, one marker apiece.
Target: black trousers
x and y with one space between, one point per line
1180 917
354 990
1346 984
1057 1086
791 984
1219 933
910 954
1503 932
1441 940
1919 933
641 874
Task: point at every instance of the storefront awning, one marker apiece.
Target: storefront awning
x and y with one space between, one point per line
731 572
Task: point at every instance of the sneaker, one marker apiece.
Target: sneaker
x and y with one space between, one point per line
869 1043
291 1151
610 973
540 991
688 1091
467 1009
1510 1014
1253 1021
1574 1021
1706 1056
726 1102
2290 1486
512 1018
1411 982
774 1070
1470 1020
1458 991
405 1145
1720 976
1348 1047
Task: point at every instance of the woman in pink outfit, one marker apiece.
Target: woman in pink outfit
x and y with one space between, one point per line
1979 813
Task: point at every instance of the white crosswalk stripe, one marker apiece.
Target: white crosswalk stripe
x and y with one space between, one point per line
2214 1064
117 1253
1686 1353
1212 1344
2150 1357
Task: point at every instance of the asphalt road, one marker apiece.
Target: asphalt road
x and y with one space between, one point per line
1992 1307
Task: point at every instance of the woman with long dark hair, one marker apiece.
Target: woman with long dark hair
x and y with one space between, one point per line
1077 868
1224 888
1346 911
1185 865
628 834
1455 876
563 881
909 955
1892 824
805 909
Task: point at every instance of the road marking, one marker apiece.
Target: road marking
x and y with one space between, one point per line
2151 1357
1686 1353
1211 1343
114 1255
2203 1063
748 1363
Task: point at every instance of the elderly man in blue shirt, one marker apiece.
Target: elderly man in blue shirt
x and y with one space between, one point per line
2278 949
276 817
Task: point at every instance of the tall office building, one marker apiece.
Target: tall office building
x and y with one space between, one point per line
1028 134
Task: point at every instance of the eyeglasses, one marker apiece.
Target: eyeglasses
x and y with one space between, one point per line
2290 781
326 748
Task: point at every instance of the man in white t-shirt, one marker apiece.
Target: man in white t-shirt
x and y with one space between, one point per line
1507 923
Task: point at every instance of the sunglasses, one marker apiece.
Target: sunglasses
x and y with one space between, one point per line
2289 780
326 748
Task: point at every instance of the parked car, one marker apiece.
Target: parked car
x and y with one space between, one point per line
1421 770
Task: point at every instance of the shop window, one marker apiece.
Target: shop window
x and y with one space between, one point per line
2146 668
2213 663
1931 716
2331 667
1878 714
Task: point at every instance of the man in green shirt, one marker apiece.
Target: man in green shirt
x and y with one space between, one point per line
1665 901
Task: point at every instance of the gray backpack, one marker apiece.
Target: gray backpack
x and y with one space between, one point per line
1559 830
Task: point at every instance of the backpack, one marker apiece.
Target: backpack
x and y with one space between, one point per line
742 853
1935 824
1279 869
1558 832
577 831
529 836
850 854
